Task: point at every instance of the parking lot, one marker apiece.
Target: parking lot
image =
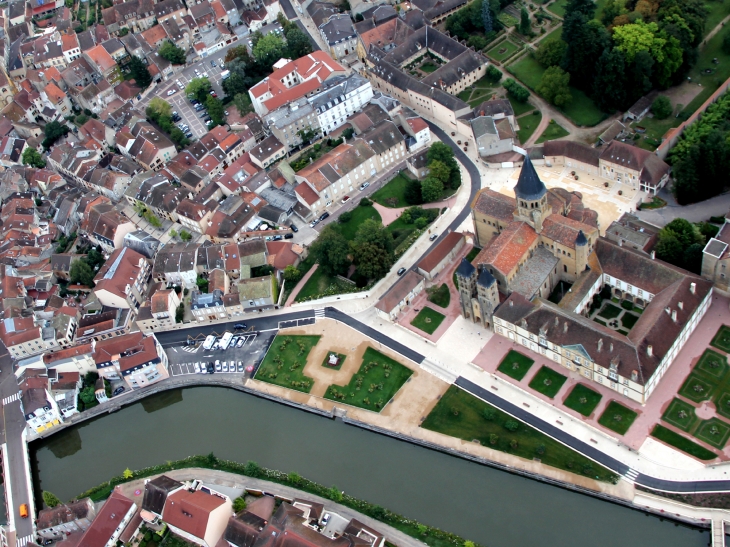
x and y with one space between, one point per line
183 359
179 101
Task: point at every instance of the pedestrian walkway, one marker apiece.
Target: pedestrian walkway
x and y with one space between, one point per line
298 287
8 400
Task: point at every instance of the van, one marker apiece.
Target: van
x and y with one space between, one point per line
24 510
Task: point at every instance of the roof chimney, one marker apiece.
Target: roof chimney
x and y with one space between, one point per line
680 305
620 242
674 315
649 350
600 344
653 255
565 327
634 376
610 347
692 287
511 303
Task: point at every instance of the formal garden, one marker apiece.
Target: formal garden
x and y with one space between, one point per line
582 399
374 384
285 361
709 380
617 417
428 320
547 381
327 362
515 365
619 315
461 415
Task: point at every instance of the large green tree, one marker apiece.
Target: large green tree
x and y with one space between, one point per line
268 50
586 40
81 273
554 86
297 43
215 110
32 157
172 53
443 153
139 72
50 499
585 7
199 88
550 52
372 249
440 170
331 251
431 189
160 107
53 131
609 84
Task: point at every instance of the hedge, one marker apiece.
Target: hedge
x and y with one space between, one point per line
434 537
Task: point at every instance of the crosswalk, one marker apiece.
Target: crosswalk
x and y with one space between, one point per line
319 313
8 400
631 475
21 542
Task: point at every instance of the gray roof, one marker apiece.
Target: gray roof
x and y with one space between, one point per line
335 90
483 125
465 268
456 69
338 28
485 279
529 186
494 108
383 137
534 272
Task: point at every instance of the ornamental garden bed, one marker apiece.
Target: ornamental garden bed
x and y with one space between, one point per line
547 381
341 360
722 339
440 296
680 414
428 320
682 443
374 384
515 365
583 399
285 361
617 418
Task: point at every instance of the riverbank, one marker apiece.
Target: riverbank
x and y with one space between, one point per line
398 529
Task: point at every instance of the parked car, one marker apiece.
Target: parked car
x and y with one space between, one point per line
211 368
171 92
239 326
434 236
364 185
117 391
288 236
225 366
240 366
314 223
323 216
225 112
212 63
218 366
188 135
213 94
345 199
293 227
401 271
278 238
197 368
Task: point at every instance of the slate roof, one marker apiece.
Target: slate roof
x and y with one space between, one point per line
495 204
465 268
529 186
399 291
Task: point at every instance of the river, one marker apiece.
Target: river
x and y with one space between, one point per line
492 507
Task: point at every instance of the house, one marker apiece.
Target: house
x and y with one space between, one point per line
155 496
419 134
633 232
418 165
106 226
268 152
57 522
156 193
200 516
432 264
160 313
104 64
150 148
207 306
436 11
194 216
400 295
339 34
339 99
142 242
175 264
134 358
64 387
114 517
640 108
493 136
293 80
40 409
122 280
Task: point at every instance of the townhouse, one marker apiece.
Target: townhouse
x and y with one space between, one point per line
122 281
135 359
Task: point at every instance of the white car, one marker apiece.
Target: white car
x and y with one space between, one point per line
171 92
197 368
240 342
217 366
225 366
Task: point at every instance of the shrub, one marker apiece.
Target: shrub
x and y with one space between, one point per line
493 74
493 439
489 414
511 425
365 202
345 217
518 93
661 108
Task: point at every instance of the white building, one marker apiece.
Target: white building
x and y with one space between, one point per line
340 98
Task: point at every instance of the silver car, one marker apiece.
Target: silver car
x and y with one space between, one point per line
241 341
240 366
225 366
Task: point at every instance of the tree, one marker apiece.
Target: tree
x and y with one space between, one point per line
372 261
172 233
53 131
243 103
127 474
239 504
661 107
611 10
268 50
412 192
185 235
516 91
81 273
172 53
331 251
525 22
235 84
443 153
477 42
180 313
554 86
32 157
586 40
487 17
292 274
431 189
439 170
585 7
50 499
493 74
692 258
159 107
215 110
199 88
373 231
684 231
550 53
139 72
297 43
178 137
609 85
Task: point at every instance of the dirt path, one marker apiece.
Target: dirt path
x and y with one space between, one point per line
542 126
302 282
714 31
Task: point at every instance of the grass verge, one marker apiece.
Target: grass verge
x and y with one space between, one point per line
553 132
617 418
685 445
547 381
428 320
583 399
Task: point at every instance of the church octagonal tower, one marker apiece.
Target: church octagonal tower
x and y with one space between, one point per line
531 195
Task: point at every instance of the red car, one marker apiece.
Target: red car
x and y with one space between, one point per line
345 199
213 94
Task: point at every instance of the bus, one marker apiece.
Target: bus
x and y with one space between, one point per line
225 340
209 341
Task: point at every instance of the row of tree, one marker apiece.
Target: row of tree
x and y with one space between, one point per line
159 111
636 46
681 243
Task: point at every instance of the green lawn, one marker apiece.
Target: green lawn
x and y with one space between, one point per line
583 399
285 361
680 414
682 443
392 194
322 284
722 339
609 311
696 388
325 362
558 7
628 320
714 432
654 130
373 385
528 124
461 415
502 50
515 365
521 108
441 296
547 381
716 12
359 215
720 72
429 67
713 364
472 254
617 418
553 131
722 404
581 110
428 320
